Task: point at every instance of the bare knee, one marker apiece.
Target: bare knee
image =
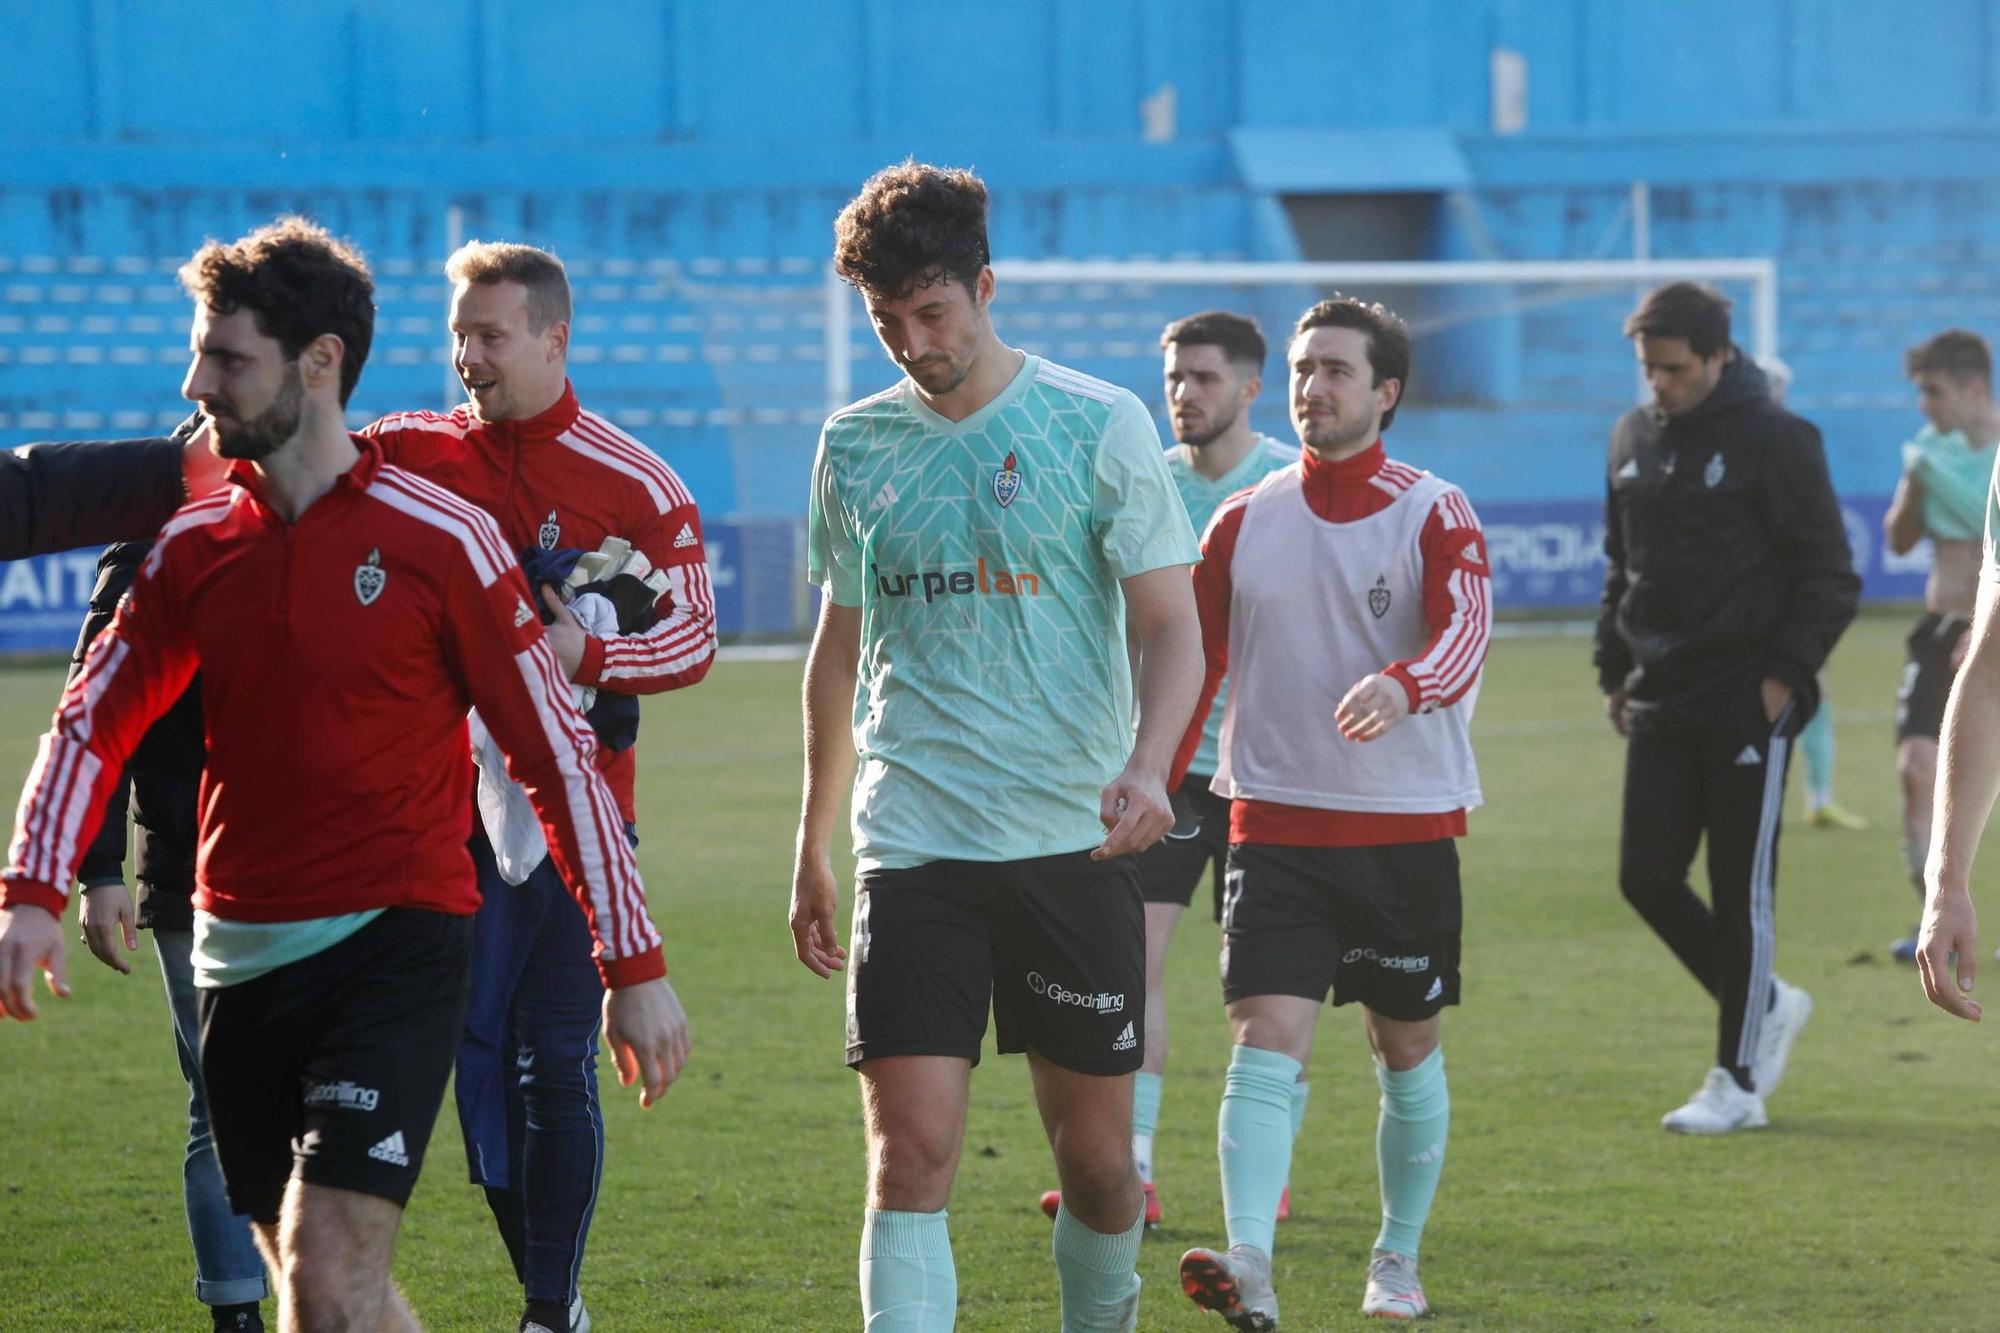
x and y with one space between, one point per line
1399 1045
1916 765
911 1167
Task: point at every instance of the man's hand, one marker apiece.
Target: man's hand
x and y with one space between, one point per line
1776 695
1375 704
1137 812
565 633
107 917
814 899
1614 708
30 941
1950 927
202 469
648 1035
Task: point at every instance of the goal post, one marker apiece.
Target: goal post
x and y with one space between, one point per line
1558 279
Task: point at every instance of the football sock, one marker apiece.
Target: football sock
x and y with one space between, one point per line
1100 1289
1301 1094
1254 1141
908 1284
1409 1149
1145 1122
1817 742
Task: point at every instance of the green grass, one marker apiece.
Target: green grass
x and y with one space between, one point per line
736 1203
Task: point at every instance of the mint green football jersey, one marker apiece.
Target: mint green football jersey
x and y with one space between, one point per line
994 699
1202 497
1956 478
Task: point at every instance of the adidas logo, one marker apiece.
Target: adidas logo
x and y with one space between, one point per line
1749 757
1630 470
390 1150
1437 989
687 538
884 497
522 615
1126 1040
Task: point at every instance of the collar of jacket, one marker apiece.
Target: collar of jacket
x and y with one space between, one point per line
544 426
356 479
1742 382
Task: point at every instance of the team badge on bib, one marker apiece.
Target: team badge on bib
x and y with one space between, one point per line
1712 474
1007 482
551 532
370 578
1378 597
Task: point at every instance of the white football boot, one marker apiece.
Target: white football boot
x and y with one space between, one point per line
1719 1106
1235 1283
1393 1290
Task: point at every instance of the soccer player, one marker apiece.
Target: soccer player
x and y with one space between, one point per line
1727 582
1816 742
1947 471
1349 600
1214 371
554 475
981 531
344 615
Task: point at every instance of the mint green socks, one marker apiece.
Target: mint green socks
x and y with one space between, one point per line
1816 741
1100 1287
1254 1141
1145 1121
908 1284
1409 1149
1301 1094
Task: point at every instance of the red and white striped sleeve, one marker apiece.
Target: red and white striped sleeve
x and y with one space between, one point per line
1458 608
516 683
1213 590
135 670
679 648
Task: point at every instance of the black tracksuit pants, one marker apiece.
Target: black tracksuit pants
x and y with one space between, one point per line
1723 778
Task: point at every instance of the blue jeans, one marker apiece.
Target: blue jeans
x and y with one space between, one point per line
527 1073
228 1270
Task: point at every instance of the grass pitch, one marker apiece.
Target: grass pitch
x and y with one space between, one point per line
735 1204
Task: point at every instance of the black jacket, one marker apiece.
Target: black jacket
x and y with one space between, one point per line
163 776
1726 558
56 497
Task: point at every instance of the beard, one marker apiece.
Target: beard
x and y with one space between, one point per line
261 436
1333 437
1208 431
941 376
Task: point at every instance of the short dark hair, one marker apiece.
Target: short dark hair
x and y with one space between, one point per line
1959 353
299 281
539 271
1237 335
1388 338
911 226
1692 311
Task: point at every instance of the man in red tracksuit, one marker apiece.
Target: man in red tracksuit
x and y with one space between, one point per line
344 615
556 477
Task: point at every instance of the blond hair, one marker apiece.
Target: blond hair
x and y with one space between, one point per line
539 271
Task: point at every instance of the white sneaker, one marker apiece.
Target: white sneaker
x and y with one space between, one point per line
1717 1107
1782 1025
1393 1291
1235 1283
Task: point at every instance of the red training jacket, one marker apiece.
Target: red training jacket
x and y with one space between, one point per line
338 657
570 478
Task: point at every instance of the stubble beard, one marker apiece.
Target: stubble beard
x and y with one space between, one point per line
260 437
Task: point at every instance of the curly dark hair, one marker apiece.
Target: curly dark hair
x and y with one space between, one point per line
299 281
1388 339
911 226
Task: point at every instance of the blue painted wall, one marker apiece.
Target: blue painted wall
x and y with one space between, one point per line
687 158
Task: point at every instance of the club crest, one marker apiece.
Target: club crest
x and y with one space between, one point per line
1378 597
1712 474
1007 481
550 533
370 578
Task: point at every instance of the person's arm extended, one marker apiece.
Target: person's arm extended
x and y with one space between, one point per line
132 674
1968 782
1134 808
832 668
1903 525
56 497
